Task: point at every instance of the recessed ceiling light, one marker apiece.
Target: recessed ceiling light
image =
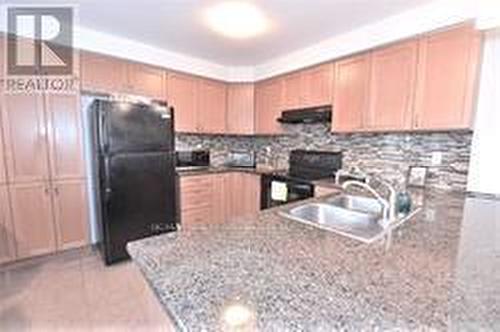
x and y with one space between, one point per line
236 19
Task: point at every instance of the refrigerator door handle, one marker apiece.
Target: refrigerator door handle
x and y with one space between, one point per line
103 135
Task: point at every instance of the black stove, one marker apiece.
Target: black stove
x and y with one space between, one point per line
305 167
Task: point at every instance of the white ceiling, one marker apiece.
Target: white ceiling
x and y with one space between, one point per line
175 25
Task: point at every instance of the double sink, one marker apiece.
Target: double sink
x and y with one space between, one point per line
357 217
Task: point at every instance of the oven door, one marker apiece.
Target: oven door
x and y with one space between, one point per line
295 191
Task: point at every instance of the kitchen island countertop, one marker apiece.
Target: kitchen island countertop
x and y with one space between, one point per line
441 271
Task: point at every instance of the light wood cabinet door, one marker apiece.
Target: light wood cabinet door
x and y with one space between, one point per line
3 167
100 73
212 98
182 95
241 109
7 236
70 213
3 64
268 103
235 195
221 204
251 194
26 141
292 91
196 200
32 219
317 86
447 75
147 81
351 90
392 87
65 136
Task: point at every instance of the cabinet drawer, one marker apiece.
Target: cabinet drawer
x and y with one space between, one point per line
196 217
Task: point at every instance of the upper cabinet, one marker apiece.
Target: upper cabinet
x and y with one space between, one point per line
424 84
447 71
351 92
392 87
240 109
292 91
147 81
212 98
268 106
25 135
182 94
308 88
317 85
199 104
65 137
102 73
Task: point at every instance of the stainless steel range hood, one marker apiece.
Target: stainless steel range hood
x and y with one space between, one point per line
307 115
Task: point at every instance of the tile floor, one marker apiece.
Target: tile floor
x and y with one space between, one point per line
75 291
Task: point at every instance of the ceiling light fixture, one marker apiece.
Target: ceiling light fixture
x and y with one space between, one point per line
236 19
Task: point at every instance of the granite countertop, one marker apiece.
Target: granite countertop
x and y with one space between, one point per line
441 271
226 169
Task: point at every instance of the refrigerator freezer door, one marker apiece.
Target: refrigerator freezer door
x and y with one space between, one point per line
127 127
138 198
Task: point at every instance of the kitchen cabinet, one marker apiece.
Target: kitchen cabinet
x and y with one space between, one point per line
351 91
392 87
3 64
25 133
65 136
250 193
308 87
447 73
196 199
182 95
101 73
3 168
148 81
268 106
7 236
317 85
243 194
70 213
106 74
221 197
292 91
211 108
32 218
241 109
214 198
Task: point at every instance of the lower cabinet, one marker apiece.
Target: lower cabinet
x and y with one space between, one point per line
213 198
70 214
7 249
47 217
33 219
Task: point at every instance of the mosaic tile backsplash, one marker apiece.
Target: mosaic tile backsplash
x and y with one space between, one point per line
386 154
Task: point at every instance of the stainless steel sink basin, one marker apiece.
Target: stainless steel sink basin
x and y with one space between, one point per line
359 225
356 217
357 203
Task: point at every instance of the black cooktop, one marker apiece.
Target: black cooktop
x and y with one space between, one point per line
311 165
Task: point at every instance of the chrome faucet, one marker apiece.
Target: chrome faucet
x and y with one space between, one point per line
388 206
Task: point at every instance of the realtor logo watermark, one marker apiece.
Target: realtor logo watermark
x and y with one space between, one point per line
40 55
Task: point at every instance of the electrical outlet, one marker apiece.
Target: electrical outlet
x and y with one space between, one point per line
437 158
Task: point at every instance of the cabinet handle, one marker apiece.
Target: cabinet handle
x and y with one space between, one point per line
56 190
46 190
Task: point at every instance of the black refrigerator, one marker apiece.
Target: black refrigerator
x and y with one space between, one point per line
134 159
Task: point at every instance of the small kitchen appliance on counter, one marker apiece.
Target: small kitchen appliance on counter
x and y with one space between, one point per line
192 159
241 158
